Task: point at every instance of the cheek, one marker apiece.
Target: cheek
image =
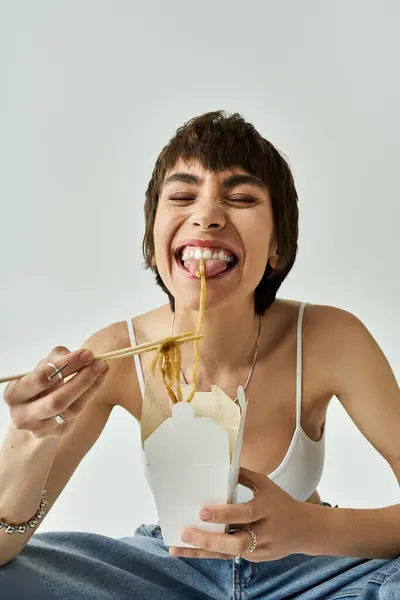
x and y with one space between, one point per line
163 233
257 248
256 257
157 237
254 268
160 232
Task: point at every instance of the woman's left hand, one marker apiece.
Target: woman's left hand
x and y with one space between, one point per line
282 525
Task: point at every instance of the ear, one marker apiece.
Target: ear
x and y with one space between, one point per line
273 261
153 261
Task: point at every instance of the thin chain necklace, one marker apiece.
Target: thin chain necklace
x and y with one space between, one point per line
254 357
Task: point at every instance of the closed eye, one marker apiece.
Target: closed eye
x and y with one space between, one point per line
181 198
243 199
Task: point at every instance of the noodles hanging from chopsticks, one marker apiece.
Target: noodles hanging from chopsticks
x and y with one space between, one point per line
169 357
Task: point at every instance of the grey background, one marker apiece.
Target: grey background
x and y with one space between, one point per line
90 93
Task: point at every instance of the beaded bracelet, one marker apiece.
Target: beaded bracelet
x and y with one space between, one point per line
22 528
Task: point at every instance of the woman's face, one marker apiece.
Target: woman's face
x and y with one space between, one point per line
225 217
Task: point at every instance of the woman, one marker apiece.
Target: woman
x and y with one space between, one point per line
221 192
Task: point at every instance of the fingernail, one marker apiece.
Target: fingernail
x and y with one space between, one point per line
187 535
205 515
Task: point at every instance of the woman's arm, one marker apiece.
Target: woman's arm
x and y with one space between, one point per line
363 381
366 532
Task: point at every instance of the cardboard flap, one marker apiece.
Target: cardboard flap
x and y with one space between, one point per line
184 439
219 407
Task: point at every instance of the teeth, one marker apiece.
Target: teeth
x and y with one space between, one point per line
206 254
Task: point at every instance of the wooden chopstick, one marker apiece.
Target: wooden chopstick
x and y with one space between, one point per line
180 339
183 338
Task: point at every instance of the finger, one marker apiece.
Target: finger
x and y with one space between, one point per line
75 407
193 553
221 543
230 514
79 388
251 479
37 381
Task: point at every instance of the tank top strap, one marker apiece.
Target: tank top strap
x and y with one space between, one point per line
136 357
299 365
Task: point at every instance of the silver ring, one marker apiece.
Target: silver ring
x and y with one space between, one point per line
56 371
253 540
60 420
253 545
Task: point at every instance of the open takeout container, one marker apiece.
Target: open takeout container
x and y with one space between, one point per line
191 453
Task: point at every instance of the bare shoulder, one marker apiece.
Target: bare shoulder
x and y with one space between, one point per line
335 331
361 378
104 340
349 355
330 316
123 377
155 324
330 336
320 320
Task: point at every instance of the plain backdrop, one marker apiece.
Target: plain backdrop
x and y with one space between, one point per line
91 90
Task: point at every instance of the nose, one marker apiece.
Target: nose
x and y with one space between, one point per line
208 215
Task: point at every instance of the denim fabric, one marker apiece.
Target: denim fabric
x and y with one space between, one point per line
88 566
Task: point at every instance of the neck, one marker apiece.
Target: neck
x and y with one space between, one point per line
228 344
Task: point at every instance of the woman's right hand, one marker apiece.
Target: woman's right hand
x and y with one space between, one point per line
34 400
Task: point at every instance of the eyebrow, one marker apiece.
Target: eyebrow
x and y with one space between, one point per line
228 183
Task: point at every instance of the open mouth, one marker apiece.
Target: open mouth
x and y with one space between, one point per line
216 260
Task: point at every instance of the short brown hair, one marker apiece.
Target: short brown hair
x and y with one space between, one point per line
219 142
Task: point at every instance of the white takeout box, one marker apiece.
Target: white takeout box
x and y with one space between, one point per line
191 454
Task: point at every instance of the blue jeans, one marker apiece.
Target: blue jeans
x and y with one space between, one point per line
89 566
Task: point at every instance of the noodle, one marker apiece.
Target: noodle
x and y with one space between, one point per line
169 357
199 325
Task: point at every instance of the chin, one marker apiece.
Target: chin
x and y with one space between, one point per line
222 291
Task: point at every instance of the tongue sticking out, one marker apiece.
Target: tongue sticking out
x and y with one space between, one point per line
212 267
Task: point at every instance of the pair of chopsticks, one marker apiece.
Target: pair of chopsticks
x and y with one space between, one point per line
183 338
